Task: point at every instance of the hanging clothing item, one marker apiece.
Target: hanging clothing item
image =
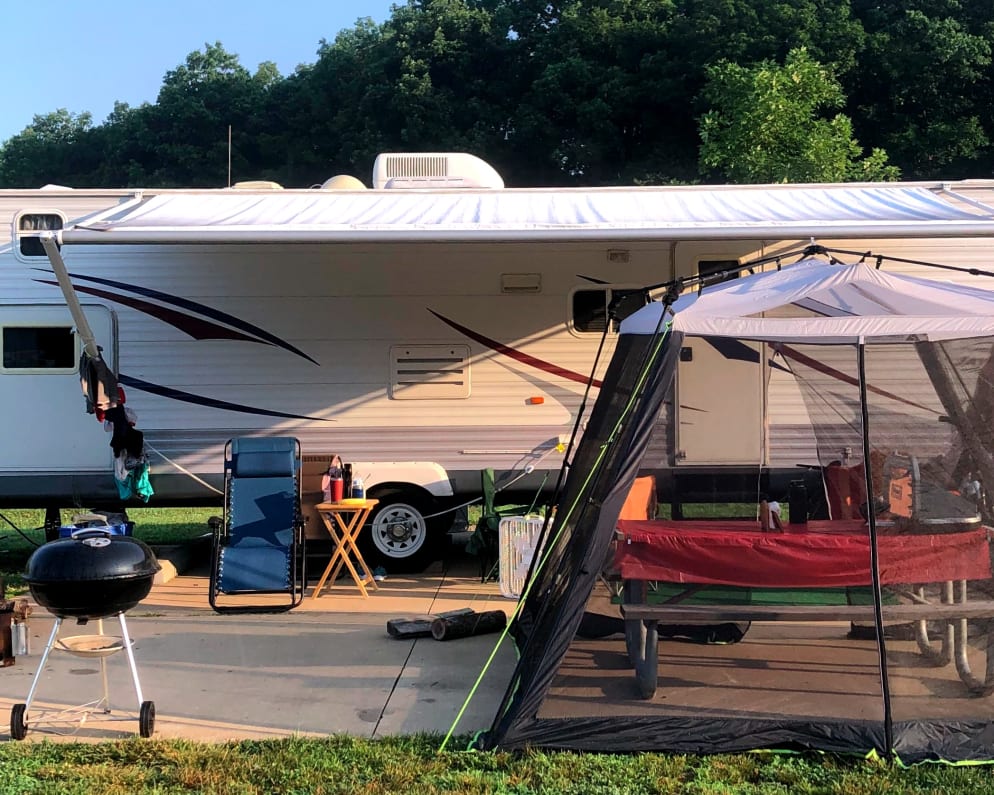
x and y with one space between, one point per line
131 475
99 384
125 438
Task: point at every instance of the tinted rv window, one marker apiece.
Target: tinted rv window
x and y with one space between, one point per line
38 348
590 308
730 267
29 244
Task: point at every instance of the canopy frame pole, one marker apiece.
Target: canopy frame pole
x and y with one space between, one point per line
69 293
871 518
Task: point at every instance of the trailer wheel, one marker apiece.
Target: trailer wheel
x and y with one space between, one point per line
397 536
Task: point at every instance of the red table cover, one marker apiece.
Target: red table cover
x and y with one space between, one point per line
824 555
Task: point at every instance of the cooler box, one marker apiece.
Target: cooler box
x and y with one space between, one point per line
96 521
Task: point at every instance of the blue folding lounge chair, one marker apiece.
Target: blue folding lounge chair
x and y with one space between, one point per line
259 543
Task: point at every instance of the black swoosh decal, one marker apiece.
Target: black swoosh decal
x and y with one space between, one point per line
200 400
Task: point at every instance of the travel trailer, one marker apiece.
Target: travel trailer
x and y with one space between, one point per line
425 329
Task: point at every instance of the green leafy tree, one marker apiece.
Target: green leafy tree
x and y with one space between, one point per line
924 86
45 151
197 103
767 125
591 100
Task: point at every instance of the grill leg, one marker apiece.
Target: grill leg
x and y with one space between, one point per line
131 658
41 665
103 670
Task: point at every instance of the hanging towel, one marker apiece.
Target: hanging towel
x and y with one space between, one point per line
131 475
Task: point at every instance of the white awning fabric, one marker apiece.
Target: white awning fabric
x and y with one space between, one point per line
853 302
663 213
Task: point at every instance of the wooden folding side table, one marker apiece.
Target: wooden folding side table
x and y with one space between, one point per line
344 520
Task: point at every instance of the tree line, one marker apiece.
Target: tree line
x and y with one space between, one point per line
576 92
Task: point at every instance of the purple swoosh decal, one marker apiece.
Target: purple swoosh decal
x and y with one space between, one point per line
518 356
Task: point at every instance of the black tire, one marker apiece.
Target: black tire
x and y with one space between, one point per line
18 728
397 535
146 719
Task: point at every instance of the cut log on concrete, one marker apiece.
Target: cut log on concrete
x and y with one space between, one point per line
463 626
420 626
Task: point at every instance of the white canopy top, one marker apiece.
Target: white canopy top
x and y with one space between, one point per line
855 302
666 213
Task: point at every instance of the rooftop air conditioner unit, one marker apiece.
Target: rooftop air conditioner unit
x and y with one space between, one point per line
433 170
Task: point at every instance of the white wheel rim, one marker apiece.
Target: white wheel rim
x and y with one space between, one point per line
399 530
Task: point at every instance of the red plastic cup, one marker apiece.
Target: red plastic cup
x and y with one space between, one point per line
337 488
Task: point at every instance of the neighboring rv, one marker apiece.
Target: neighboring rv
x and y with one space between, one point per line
423 331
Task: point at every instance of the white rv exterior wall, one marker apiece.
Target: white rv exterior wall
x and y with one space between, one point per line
345 306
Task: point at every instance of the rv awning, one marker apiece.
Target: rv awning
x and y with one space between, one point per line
667 213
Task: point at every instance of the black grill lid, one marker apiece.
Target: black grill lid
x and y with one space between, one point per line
91 555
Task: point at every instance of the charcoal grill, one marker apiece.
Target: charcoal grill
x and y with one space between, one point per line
93 574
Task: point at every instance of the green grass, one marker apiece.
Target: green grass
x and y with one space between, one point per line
413 765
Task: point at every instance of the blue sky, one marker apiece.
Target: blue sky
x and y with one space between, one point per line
83 56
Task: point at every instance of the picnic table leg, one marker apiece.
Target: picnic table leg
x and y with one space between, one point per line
641 640
633 593
977 687
647 666
943 654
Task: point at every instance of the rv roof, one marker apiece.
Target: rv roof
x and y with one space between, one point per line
668 213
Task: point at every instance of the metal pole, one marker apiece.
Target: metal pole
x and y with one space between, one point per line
41 664
871 518
69 293
131 658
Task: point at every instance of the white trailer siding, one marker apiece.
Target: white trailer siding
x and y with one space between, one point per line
221 340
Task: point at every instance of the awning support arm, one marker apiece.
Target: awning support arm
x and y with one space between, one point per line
69 292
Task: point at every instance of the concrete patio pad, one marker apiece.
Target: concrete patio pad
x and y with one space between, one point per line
326 667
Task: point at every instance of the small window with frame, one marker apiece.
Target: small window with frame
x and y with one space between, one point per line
39 348
27 229
590 308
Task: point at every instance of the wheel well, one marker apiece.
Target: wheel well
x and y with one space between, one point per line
381 490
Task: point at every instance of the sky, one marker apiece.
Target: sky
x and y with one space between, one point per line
84 56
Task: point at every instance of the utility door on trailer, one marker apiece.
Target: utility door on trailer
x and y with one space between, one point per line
46 426
719 387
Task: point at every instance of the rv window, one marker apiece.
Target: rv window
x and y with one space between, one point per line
29 245
709 266
39 348
590 308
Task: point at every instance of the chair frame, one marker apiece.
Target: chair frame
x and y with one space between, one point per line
298 556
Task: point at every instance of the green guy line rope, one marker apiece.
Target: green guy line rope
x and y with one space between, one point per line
594 470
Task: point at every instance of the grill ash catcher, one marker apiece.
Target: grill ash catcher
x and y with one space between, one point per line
92 575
